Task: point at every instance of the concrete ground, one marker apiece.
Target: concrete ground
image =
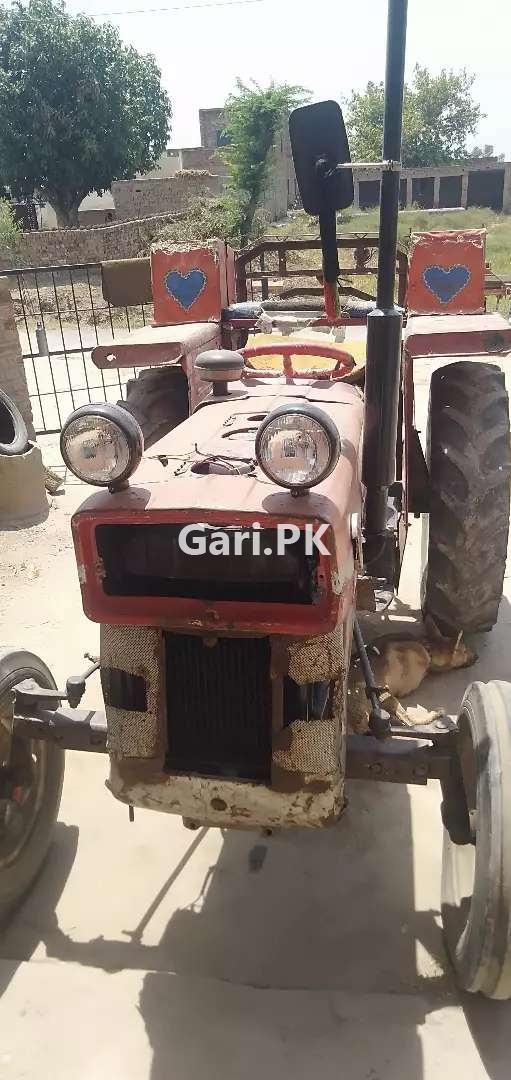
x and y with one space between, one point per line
146 952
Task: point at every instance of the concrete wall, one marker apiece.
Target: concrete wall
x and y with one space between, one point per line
138 198
97 211
59 247
141 198
151 195
168 164
467 184
201 157
92 218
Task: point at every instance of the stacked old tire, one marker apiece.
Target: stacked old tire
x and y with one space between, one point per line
23 499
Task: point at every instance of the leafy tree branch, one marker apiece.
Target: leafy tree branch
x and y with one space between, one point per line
79 109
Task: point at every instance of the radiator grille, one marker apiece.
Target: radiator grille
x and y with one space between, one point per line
219 706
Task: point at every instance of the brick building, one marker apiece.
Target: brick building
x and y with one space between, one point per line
473 183
168 187
184 173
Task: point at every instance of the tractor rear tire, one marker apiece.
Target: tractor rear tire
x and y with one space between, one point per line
464 539
476 876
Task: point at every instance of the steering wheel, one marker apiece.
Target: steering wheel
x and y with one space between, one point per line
344 360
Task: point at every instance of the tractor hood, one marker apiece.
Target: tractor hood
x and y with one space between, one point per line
207 463
131 563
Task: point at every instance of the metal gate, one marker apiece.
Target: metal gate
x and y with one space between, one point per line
61 315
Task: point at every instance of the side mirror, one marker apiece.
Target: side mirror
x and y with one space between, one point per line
319 142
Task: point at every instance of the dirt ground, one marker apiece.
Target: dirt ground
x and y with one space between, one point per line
147 951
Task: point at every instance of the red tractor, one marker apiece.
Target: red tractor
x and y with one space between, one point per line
223 564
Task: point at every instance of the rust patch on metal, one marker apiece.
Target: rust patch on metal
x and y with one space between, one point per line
218 804
99 568
285 780
247 805
317 786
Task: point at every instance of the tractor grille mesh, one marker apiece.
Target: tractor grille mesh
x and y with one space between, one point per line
219 706
135 649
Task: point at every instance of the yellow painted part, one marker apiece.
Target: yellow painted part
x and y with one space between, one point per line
356 347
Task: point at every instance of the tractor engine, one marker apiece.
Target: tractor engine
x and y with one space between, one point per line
226 607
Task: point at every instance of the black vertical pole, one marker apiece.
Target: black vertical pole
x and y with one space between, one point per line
384 325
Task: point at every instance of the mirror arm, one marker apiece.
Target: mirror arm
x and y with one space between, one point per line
330 260
380 166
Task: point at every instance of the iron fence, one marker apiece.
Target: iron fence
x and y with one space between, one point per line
61 315
274 268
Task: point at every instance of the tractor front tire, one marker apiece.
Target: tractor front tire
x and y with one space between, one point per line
28 815
476 876
465 534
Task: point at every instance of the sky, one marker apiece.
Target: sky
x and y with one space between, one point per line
329 46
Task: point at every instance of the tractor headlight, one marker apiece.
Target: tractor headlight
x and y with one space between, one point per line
102 444
297 446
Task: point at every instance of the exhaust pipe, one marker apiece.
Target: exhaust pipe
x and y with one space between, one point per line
384 325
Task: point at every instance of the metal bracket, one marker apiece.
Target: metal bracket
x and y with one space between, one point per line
371 166
397 761
71 729
441 731
418 476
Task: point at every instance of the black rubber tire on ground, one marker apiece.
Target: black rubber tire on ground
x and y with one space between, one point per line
464 541
16 877
476 877
13 430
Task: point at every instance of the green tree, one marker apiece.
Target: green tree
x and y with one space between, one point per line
439 114
254 117
78 108
10 232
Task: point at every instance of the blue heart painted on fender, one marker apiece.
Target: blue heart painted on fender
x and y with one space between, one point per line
185 289
446 284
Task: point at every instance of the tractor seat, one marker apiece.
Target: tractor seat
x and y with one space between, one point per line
252 309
